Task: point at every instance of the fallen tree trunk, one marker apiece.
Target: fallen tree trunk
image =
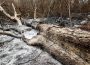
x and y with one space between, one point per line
69 46
66 58
74 36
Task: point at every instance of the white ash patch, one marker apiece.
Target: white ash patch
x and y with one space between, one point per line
16 52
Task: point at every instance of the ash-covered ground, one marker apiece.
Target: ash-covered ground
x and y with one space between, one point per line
14 51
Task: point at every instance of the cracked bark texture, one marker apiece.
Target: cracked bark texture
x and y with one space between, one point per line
69 46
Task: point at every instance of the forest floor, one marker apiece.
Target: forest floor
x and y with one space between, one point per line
16 48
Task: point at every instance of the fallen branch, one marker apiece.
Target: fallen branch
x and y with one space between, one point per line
11 28
15 17
10 34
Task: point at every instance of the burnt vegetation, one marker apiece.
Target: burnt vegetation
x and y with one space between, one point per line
49 8
63 27
68 10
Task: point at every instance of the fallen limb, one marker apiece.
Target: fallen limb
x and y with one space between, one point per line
10 34
8 29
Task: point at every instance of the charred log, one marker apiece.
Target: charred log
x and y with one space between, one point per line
69 46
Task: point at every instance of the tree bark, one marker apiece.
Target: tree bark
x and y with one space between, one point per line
59 53
74 36
69 46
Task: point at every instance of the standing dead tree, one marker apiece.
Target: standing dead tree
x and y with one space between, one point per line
35 9
15 17
69 8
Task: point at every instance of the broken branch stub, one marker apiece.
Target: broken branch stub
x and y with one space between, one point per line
15 17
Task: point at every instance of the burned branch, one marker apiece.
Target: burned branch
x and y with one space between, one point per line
15 17
10 34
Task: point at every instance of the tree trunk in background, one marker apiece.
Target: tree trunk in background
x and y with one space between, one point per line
43 6
35 9
69 8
